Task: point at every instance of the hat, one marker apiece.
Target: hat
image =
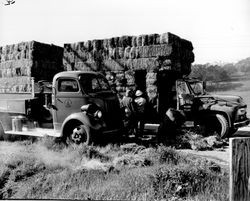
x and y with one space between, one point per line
138 93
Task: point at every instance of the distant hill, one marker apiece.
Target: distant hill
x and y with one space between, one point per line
243 65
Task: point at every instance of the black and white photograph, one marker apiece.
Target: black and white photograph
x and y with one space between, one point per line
144 100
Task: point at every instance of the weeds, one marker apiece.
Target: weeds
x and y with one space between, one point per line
46 170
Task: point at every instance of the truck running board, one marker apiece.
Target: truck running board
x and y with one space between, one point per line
38 132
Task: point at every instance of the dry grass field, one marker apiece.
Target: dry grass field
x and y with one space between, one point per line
45 170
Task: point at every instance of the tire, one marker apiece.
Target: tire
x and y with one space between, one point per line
79 134
221 126
216 124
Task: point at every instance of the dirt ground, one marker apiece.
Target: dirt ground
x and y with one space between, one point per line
222 155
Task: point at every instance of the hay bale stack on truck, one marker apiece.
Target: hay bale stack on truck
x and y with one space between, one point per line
159 66
68 109
79 105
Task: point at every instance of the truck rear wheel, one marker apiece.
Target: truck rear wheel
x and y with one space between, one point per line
79 134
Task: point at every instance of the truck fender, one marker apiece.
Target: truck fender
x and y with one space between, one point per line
80 117
214 113
226 115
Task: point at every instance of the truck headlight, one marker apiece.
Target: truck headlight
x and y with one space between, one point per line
92 110
98 114
241 111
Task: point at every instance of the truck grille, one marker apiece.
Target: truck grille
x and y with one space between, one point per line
112 115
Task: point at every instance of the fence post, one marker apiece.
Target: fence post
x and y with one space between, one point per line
239 169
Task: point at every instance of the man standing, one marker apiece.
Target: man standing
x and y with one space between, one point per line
128 106
140 102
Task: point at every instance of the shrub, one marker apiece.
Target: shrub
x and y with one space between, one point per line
183 180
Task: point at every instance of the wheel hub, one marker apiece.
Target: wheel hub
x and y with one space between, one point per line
78 135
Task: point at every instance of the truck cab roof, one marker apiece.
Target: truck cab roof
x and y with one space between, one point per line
190 79
74 74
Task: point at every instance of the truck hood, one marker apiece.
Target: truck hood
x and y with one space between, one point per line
237 100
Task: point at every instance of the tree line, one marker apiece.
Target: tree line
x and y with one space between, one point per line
220 72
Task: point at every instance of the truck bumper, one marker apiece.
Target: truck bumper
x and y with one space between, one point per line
242 123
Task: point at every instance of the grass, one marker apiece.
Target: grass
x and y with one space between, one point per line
47 170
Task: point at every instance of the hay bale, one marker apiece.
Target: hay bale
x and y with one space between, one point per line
3 57
66 47
116 53
139 40
23 54
97 44
125 41
121 52
127 52
112 65
133 53
134 41
85 66
142 63
154 51
111 42
116 42
144 40
160 50
168 38
88 45
111 53
106 43
151 39
142 51
97 55
105 53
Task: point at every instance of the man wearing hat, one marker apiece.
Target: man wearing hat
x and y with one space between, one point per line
140 103
128 105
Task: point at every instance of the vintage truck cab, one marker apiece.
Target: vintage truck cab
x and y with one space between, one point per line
80 106
222 114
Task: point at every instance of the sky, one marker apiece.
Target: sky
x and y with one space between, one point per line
218 29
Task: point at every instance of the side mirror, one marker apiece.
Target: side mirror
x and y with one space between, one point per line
54 91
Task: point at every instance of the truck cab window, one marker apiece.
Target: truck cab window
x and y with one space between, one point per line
92 84
68 85
197 88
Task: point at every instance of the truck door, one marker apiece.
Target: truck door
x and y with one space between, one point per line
69 99
184 97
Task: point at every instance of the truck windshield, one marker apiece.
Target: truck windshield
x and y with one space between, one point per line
91 83
197 87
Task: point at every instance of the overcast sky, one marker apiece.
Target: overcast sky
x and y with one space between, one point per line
218 29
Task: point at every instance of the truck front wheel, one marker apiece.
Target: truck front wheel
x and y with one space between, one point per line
79 134
216 124
221 126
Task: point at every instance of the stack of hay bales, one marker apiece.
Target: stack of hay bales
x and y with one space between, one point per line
120 57
19 62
